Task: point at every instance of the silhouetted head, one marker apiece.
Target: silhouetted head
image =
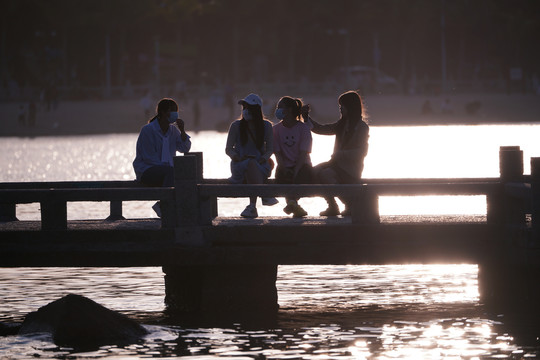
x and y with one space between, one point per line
164 108
252 108
290 106
351 106
252 112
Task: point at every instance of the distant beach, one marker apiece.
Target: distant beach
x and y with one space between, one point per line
127 116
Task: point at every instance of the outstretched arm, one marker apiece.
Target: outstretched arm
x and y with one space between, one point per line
326 129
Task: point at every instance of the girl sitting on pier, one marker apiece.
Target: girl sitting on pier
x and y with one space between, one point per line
157 145
249 145
292 146
350 147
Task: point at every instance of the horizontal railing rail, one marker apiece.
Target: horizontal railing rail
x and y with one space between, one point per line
393 189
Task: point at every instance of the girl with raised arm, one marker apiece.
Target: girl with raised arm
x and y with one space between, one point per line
350 147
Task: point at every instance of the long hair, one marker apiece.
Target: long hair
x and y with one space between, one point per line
353 102
258 120
164 105
294 104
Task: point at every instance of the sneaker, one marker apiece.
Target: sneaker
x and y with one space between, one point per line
269 201
157 209
299 212
289 208
250 212
346 212
295 209
333 210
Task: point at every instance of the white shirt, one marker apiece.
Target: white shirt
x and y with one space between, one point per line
155 148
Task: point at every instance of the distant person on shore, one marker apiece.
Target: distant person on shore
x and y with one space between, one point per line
350 147
292 146
250 145
158 142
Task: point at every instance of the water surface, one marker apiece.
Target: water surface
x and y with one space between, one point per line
326 312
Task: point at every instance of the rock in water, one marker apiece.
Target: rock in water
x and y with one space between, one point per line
77 321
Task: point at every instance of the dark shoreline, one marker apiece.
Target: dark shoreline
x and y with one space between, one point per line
35 132
93 117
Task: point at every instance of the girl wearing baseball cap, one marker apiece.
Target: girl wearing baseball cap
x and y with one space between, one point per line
249 145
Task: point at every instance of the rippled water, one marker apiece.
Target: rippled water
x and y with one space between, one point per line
326 312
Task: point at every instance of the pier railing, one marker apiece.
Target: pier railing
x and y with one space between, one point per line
193 199
212 264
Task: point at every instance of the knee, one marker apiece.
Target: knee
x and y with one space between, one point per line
327 176
168 178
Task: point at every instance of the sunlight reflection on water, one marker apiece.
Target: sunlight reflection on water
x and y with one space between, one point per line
395 152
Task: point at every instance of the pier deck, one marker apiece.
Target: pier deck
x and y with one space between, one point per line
272 240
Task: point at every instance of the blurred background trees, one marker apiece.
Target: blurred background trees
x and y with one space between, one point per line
138 45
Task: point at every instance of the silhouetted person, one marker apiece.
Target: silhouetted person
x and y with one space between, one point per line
158 142
292 146
350 147
250 145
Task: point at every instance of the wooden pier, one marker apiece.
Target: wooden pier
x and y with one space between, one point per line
214 265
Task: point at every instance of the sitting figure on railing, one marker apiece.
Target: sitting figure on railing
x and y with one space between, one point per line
249 145
350 147
157 145
292 146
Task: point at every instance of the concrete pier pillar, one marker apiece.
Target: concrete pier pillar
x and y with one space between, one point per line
222 293
509 274
212 293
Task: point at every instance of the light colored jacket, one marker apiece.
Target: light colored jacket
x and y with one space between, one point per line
150 146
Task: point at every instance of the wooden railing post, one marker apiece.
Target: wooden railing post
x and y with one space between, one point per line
207 205
511 170
511 163
8 212
199 160
500 208
115 211
535 200
53 214
187 197
365 208
503 271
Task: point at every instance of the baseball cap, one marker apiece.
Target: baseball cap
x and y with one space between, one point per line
252 99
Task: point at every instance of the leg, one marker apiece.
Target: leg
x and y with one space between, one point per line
253 176
160 175
329 176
